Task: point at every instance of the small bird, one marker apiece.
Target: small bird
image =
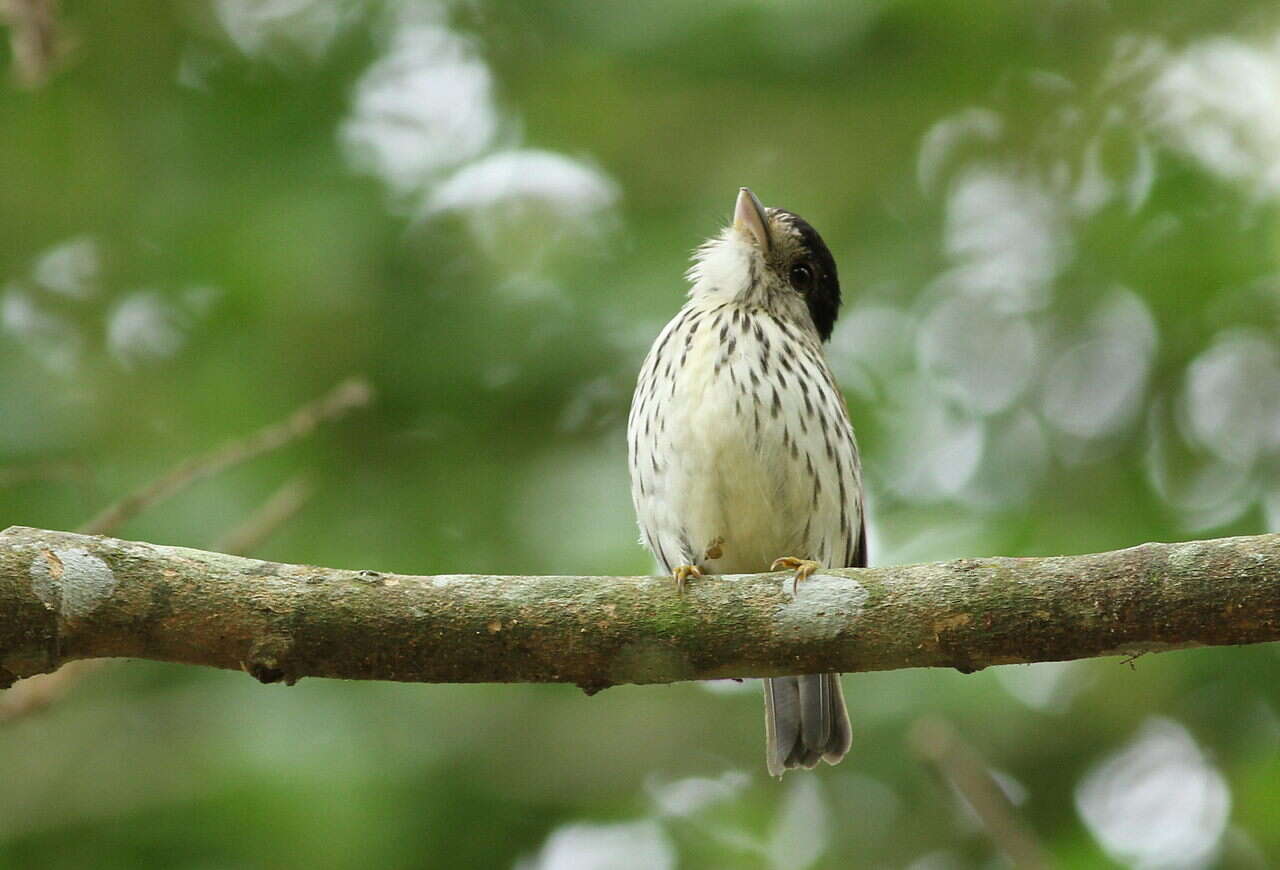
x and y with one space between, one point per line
742 455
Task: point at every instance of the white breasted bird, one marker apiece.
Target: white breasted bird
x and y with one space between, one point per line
742 455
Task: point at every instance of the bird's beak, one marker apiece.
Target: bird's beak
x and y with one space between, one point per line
749 217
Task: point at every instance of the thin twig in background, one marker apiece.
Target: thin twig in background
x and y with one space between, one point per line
963 768
37 692
44 472
345 397
33 39
278 509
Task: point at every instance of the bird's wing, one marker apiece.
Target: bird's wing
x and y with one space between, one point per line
834 524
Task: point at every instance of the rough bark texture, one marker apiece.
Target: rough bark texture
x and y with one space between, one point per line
65 596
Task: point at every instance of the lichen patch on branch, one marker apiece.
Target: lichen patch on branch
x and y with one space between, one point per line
72 581
823 606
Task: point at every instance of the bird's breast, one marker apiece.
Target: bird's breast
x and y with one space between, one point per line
729 413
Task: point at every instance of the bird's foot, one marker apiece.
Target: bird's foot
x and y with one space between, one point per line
804 568
683 573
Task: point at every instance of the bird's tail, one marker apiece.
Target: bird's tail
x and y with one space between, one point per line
805 721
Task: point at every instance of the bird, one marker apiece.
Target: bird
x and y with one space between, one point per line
742 455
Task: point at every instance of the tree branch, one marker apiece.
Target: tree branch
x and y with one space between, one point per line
40 691
45 688
65 596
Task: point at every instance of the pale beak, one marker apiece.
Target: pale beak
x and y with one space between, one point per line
749 217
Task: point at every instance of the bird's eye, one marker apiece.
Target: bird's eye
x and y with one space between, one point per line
801 276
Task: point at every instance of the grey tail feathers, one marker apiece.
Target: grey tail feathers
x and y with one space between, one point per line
805 722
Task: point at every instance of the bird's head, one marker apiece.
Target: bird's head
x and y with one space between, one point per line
772 258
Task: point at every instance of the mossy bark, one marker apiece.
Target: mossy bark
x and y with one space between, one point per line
65 596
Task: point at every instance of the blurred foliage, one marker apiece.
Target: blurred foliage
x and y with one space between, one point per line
1056 228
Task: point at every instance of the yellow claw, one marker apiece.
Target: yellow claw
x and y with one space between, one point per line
804 568
683 573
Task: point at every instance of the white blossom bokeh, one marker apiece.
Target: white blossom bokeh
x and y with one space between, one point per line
1157 803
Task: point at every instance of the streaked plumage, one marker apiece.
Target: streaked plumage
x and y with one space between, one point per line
740 445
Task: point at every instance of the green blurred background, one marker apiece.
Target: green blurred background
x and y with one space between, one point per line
1056 226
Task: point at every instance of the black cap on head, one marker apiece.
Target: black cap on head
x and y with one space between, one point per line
823 294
